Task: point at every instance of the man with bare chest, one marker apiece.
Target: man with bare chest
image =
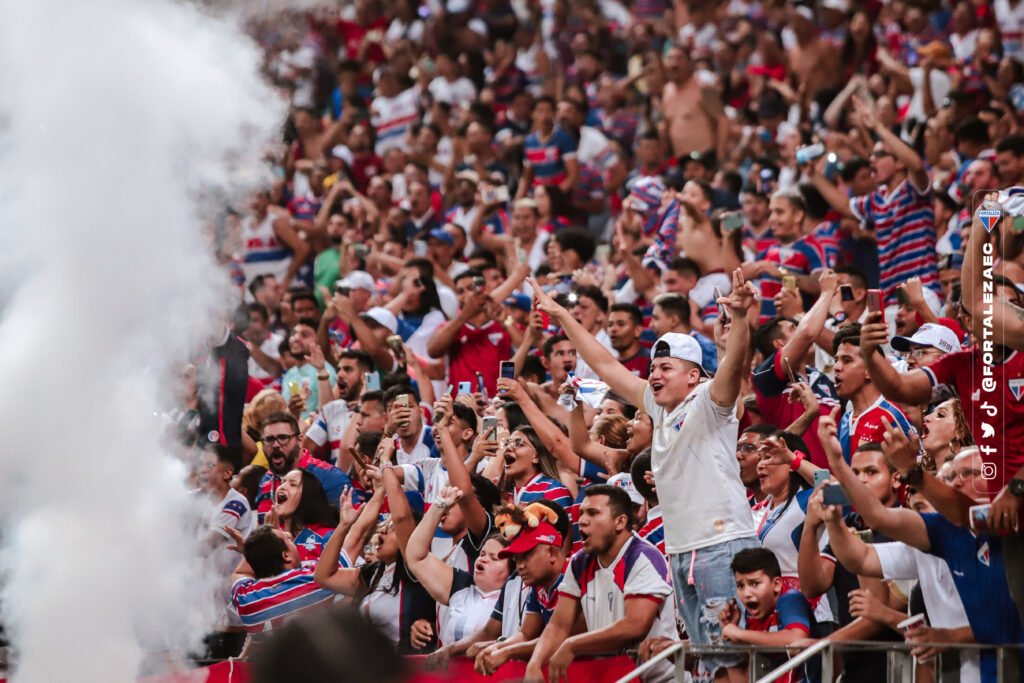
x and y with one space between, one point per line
688 126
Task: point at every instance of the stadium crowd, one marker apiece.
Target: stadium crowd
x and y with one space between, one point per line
575 329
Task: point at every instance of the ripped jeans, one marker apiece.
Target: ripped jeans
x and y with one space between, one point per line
703 582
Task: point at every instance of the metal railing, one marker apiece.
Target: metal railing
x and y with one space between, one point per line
900 664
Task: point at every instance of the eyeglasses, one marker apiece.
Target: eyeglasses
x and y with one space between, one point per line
878 153
283 439
746 448
920 353
518 443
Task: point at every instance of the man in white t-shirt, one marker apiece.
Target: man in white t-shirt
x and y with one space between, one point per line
619 582
693 454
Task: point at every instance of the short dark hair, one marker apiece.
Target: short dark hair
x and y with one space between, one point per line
533 367
628 409
377 396
673 303
362 358
485 490
468 272
856 274
618 499
685 265
367 442
399 389
264 550
281 417
467 415
641 465
545 99
578 240
632 309
767 333
763 429
259 309
852 167
549 343
595 294
308 322
249 479
1014 144
972 130
226 455
849 334
304 294
259 283
750 560
705 188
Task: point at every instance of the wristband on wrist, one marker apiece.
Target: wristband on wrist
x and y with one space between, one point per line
323 376
797 461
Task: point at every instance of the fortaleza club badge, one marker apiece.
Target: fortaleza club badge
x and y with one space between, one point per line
989 218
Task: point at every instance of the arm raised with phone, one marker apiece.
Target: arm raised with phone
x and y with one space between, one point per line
608 368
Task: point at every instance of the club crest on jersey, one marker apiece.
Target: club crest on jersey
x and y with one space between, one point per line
495 337
983 555
679 425
1017 388
989 218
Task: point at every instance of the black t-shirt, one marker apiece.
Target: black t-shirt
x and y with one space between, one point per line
859 666
395 610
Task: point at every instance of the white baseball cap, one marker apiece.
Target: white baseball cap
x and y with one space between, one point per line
929 334
358 279
625 482
383 317
678 345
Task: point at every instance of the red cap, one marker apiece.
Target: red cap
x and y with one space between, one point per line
531 537
954 326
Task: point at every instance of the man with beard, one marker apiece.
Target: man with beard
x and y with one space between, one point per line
625 325
335 415
281 441
627 576
870 415
304 376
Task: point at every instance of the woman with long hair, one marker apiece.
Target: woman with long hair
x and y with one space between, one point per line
553 208
389 596
531 471
417 306
301 509
783 511
860 48
944 434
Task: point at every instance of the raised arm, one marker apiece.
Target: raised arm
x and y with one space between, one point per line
816 572
903 152
287 235
614 373
362 530
445 335
458 475
367 339
548 431
808 329
853 553
898 523
912 387
328 574
433 574
725 386
609 459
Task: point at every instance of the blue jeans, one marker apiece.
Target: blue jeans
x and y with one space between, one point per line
699 602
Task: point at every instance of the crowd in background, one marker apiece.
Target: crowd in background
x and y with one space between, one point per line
526 266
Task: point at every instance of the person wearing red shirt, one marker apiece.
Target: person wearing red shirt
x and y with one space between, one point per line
625 325
474 340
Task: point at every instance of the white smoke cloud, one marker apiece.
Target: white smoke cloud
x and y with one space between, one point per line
114 114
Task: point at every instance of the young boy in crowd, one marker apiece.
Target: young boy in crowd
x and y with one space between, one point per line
770 615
